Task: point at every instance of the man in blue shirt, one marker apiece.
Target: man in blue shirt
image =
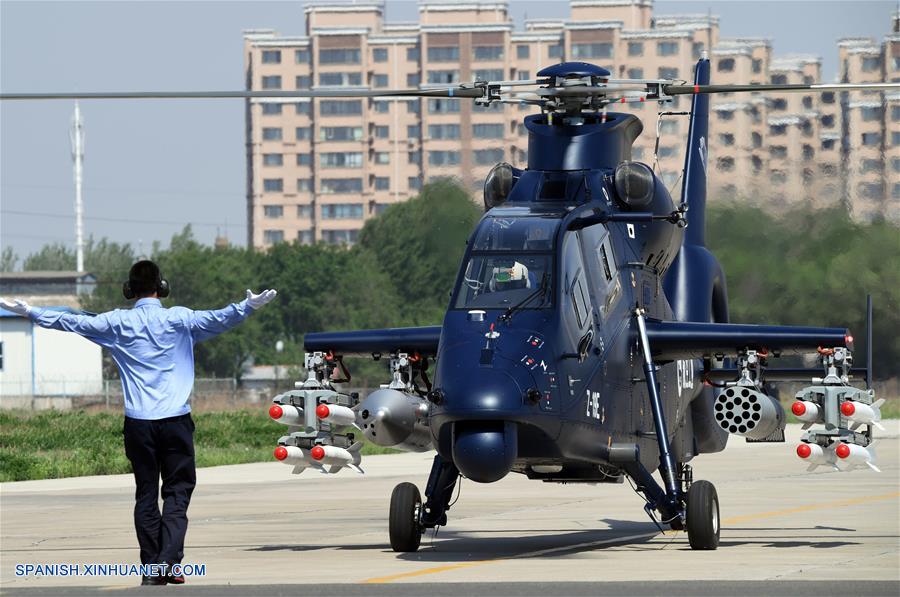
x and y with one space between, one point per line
153 348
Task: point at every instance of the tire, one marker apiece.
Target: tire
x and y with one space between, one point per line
703 516
404 528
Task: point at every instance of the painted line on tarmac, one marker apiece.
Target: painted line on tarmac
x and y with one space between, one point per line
626 538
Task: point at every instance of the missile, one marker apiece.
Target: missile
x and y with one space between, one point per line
338 457
393 419
298 457
337 415
862 414
286 414
806 411
816 455
855 456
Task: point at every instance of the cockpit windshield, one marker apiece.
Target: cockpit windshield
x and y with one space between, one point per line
511 259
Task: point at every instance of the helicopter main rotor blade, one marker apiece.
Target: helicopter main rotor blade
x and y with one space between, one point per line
463 92
786 88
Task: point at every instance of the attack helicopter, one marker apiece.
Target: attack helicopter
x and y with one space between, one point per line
587 338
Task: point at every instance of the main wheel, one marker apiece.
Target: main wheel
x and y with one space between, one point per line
703 516
404 529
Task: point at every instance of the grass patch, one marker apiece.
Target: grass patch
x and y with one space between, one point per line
56 444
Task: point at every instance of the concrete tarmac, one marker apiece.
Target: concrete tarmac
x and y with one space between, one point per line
260 530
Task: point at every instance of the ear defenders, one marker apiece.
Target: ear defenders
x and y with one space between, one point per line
162 287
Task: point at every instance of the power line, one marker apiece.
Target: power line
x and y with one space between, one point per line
117 220
127 190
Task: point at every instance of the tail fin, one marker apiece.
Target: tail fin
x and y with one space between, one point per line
693 190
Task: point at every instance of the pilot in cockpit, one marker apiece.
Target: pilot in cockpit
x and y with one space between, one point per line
512 277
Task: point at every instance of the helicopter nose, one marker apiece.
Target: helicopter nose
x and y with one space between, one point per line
484 451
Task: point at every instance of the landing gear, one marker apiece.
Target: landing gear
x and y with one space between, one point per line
703 516
404 527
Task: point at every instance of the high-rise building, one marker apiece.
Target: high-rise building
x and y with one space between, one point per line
318 168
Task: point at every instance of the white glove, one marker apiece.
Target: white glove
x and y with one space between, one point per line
17 306
255 301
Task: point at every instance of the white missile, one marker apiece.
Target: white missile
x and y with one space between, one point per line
337 415
338 457
862 414
855 456
299 458
816 455
286 414
806 411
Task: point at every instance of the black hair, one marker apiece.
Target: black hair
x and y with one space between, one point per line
144 278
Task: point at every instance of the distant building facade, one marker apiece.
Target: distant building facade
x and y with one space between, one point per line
48 288
317 169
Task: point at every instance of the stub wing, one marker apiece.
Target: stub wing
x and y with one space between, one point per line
422 340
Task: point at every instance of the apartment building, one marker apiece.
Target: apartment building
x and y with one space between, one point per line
317 169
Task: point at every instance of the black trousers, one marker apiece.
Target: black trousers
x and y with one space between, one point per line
162 448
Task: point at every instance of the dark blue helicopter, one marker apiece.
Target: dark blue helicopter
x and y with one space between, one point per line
587 336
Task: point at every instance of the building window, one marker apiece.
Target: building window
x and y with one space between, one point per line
302 82
273 211
271 82
413 131
756 139
666 48
828 144
301 56
523 75
777 130
271 56
273 185
382 183
523 52
341 159
757 66
301 133
339 56
414 157
895 139
1 356
778 104
340 237
347 211
340 107
599 50
341 185
757 163
412 80
442 77
304 212
665 152
272 159
871 64
668 73
487 52
484 157
635 73
382 157
381 107
779 79
412 54
443 131
270 237
807 102
414 183
413 107
443 106
895 112
380 81
443 158
555 51
870 139
828 121
487 131
668 126
725 164
870 114
697 50
340 133
380 55
380 208
305 237
635 48
871 190
777 151
489 74
726 139
725 114
340 79
304 159
443 54
302 107
778 177
382 132
895 164
637 153
870 166
271 134
304 185
269 109
895 194
726 65
808 152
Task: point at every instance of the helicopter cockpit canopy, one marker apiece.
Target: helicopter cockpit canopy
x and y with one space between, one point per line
511 258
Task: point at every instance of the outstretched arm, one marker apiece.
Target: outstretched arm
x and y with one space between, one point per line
96 328
209 324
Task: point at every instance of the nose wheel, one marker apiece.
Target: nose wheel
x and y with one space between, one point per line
703 516
404 526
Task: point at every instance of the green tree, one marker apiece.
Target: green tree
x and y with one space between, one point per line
419 244
8 259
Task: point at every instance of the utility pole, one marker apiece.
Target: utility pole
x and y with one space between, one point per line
76 136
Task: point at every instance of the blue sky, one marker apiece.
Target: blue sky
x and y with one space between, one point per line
152 166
